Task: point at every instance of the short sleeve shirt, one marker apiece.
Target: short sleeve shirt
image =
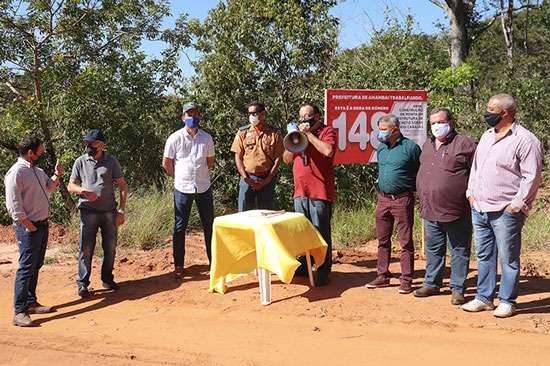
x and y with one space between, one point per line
191 173
259 151
98 176
398 165
316 179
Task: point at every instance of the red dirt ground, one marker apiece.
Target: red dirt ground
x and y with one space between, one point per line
157 320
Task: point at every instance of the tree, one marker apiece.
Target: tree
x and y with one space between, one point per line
38 36
44 45
277 51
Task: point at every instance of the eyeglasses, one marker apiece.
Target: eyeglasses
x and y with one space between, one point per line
306 116
256 113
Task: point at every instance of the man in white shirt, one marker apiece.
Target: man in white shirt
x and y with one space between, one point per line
27 201
188 157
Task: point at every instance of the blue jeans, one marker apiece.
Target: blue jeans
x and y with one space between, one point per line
32 249
457 235
182 211
498 234
90 222
319 212
265 197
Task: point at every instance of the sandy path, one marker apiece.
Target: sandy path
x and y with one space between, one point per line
156 320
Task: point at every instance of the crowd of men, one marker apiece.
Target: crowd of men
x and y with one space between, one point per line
489 186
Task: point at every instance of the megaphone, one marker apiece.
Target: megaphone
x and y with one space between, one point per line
295 141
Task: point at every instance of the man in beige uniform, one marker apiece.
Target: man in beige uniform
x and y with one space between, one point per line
258 148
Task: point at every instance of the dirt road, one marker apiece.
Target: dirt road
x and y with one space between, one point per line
155 319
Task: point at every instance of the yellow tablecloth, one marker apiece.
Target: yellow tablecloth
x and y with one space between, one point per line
246 240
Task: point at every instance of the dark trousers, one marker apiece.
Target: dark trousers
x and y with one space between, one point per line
388 211
264 198
32 249
182 210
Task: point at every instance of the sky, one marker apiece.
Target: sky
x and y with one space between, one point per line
358 18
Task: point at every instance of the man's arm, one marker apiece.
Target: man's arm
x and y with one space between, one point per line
122 204
240 168
73 187
168 165
288 156
210 161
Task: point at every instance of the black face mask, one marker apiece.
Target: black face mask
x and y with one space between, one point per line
492 119
311 121
91 151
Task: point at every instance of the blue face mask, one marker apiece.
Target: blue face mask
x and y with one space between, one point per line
192 122
384 137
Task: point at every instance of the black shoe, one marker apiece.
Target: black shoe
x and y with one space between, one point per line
457 298
322 279
425 291
301 271
111 286
83 291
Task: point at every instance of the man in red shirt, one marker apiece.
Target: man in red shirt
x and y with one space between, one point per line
313 172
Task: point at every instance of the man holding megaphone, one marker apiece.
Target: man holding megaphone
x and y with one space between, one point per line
258 148
311 149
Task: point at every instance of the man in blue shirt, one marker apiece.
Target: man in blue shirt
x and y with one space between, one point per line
398 163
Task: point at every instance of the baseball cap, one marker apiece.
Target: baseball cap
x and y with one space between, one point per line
190 105
94 135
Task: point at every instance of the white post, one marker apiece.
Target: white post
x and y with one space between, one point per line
265 286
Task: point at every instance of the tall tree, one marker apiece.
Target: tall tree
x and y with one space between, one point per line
277 51
39 38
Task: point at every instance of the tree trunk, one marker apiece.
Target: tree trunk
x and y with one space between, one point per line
507 21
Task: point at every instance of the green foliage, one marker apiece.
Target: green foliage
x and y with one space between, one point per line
275 51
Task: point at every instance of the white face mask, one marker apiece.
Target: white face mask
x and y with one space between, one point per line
254 119
440 130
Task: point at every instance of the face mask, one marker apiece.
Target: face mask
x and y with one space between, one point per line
440 130
254 119
384 137
311 121
91 151
192 122
492 119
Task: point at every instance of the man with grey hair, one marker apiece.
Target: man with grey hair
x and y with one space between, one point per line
398 162
441 183
503 183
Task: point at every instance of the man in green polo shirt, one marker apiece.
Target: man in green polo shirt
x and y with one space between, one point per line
398 163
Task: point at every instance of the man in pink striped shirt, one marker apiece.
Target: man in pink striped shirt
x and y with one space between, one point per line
503 184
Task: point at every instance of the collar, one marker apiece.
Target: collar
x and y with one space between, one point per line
24 162
449 139
102 157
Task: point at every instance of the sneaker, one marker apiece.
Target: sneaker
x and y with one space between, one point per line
178 273
504 310
378 282
477 305
83 291
322 279
425 291
111 285
457 298
36 308
405 288
22 320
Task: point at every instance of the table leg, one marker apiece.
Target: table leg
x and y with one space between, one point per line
264 277
309 271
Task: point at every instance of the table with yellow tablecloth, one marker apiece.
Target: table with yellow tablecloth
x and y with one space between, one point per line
265 239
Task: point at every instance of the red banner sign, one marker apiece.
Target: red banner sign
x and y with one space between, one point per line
354 114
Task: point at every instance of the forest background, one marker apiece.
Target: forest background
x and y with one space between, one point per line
73 65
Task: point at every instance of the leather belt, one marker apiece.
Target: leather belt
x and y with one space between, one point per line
395 196
40 222
260 174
